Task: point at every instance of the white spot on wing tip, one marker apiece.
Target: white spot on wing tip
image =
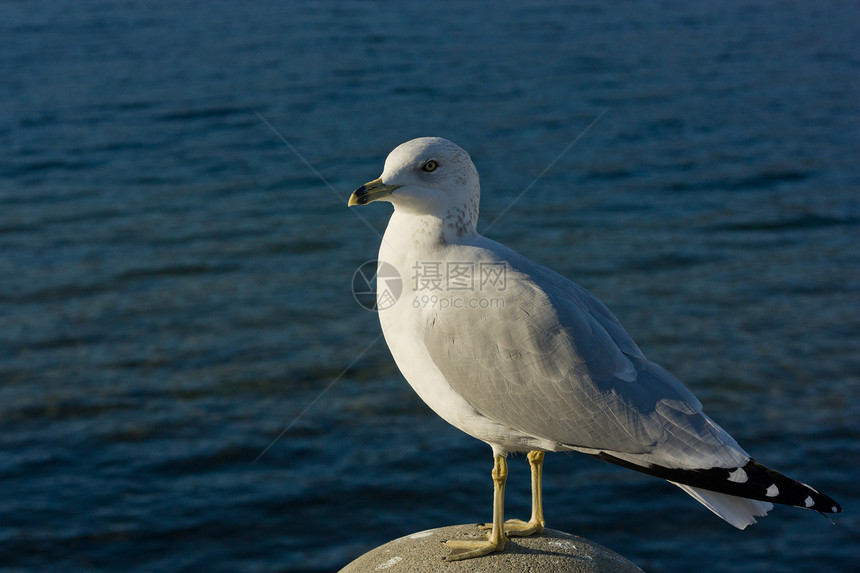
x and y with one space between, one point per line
809 501
738 476
772 491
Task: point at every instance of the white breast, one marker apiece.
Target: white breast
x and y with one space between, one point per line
403 325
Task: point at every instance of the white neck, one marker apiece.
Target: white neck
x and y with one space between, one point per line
425 233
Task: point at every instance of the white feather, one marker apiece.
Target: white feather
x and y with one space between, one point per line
738 511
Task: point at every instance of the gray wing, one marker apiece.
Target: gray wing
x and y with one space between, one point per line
554 362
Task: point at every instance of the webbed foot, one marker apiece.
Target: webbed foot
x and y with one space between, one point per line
518 527
467 549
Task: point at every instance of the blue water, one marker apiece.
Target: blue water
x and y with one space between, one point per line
175 273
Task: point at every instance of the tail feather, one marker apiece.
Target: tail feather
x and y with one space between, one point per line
738 511
736 494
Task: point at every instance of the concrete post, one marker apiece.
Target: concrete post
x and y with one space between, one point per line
550 552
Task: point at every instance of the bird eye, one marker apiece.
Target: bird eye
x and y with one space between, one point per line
430 166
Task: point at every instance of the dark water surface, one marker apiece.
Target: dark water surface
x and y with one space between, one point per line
175 279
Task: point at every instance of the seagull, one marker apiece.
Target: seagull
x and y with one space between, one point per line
525 360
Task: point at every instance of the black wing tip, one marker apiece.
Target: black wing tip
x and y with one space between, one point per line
789 491
752 481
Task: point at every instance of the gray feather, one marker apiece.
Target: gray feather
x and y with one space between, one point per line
554 362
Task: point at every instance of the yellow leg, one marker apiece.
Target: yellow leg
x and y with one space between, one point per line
518 527
496 540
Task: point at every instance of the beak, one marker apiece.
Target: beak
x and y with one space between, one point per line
372 191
